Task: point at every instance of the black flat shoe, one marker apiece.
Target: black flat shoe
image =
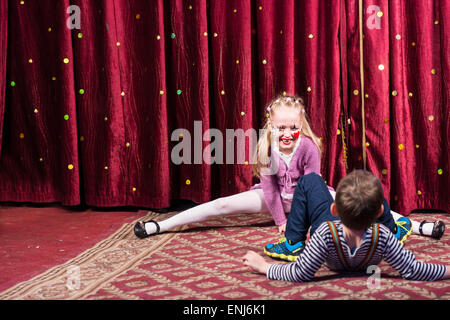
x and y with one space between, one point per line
139 229
438 229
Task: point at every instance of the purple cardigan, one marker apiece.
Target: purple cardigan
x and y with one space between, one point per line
305 160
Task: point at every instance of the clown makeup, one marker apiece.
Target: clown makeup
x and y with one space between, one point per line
286 127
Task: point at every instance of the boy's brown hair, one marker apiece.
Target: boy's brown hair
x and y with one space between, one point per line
359 197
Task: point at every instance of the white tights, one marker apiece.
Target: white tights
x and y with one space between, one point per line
245 202
251 201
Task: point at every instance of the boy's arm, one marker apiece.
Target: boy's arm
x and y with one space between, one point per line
406 264
256 262
447 273
307 264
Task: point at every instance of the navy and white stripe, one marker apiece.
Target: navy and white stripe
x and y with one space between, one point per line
320 249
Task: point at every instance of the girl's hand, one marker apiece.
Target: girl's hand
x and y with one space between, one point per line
282 228
256 262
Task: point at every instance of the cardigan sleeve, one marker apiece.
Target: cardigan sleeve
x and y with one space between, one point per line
272 197
311 160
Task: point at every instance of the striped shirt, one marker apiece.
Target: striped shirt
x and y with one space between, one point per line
321 249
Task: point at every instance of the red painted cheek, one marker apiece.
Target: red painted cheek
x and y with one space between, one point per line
296 134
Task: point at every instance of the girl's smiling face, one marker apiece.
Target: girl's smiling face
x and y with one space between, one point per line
286 124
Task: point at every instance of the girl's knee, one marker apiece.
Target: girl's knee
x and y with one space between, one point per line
221 206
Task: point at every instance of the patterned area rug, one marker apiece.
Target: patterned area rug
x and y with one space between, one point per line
204 262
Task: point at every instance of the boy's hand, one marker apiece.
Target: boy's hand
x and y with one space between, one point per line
256 262
282 228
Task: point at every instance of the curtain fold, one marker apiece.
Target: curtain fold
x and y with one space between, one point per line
406 110
419 107
232 40
121 111
3 50
39 160
104 114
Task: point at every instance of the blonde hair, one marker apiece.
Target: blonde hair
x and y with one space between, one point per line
261 154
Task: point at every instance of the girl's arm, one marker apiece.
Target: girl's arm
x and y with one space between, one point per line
272 197
311 159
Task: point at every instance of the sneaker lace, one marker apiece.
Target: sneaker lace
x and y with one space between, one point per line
402 225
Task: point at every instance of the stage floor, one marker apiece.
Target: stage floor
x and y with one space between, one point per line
203 262
36 238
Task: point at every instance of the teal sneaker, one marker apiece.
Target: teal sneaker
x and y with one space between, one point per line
284 249
404 229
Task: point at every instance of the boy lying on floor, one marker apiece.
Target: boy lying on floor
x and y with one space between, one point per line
343 234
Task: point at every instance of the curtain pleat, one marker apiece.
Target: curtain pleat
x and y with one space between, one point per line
232 108
40 158
150 101
3 50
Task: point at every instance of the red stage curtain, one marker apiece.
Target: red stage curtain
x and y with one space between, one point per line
406 76
88 114
3 42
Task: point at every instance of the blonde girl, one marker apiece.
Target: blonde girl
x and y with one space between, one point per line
286 150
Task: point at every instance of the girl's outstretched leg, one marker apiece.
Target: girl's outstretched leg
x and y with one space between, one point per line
245 202
425 228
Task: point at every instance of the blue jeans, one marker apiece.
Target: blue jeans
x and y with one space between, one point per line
311 207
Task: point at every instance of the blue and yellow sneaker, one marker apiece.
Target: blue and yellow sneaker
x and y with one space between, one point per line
284 249
404 229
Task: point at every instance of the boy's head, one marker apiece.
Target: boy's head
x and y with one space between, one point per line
359 199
